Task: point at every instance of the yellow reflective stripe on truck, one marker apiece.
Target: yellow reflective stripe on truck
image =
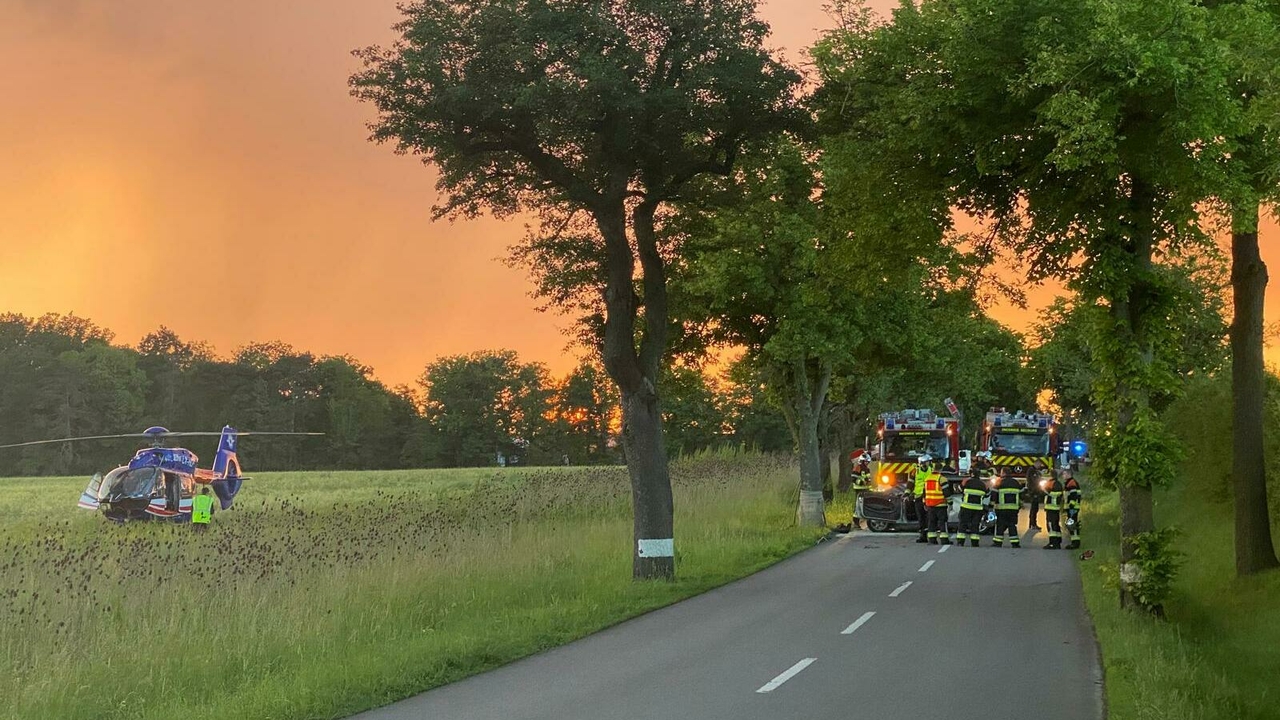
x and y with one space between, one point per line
1021 460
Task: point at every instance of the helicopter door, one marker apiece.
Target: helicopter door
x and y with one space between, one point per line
172 491
89 498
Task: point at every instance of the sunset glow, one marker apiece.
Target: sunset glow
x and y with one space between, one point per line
201 166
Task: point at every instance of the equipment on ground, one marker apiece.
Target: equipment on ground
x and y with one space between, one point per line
160 482
1019 441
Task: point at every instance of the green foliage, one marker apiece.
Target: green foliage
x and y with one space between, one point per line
1157 562
468 408
525 104
455 572
692 416
1202 423
485 404
1143 453
756 422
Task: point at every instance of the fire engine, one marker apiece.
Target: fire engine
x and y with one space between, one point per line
903 437
1018 440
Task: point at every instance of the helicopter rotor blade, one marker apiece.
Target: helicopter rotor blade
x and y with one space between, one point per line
238 433
151 436
268 432
75 439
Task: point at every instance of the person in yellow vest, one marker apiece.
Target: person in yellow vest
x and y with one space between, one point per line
935 500
917 493
202 509
1072 489
975 491
861 485
1008 498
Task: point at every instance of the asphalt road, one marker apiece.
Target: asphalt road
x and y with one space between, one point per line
835 632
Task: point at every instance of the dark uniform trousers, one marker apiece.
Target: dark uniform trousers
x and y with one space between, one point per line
938 522
969 521
1007 522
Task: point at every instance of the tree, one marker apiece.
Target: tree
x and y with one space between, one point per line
1063 362
610 109
692 409
167 359
1249 156
1073 127
484 405
756 421
756 258
585 408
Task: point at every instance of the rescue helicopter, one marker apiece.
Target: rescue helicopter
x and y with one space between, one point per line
160 482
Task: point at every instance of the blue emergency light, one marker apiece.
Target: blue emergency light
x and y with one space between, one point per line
1079 448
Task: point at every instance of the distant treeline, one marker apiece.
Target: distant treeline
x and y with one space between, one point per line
62 376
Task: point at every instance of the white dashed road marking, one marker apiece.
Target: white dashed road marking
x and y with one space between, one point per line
858 623
901 587
943 549
789 673
925 567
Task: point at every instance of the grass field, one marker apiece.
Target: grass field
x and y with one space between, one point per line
1217 656
322 594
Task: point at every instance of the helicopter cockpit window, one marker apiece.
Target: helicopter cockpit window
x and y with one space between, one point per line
131 484
109 481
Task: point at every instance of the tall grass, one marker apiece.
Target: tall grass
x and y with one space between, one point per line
1217 655
336 593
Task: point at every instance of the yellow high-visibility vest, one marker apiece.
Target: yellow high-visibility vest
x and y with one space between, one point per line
201 509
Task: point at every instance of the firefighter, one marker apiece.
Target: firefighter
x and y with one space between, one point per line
1053 505
935 501
1072 488
1036 491
917 493
1008 501
861 484
975 490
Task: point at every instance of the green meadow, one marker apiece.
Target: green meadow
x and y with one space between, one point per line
1216 656
322 594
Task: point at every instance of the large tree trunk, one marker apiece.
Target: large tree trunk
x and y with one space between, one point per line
635 370
844 448
651 500
1130 311
1254 549
824 453
1137 511
809 395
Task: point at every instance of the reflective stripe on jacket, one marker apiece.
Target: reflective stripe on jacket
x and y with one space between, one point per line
974 492
1009 498
1053 496
933 496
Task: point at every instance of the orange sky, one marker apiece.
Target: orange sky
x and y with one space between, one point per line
201 165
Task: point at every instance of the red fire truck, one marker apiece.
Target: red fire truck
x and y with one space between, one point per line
903 437
1019 441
